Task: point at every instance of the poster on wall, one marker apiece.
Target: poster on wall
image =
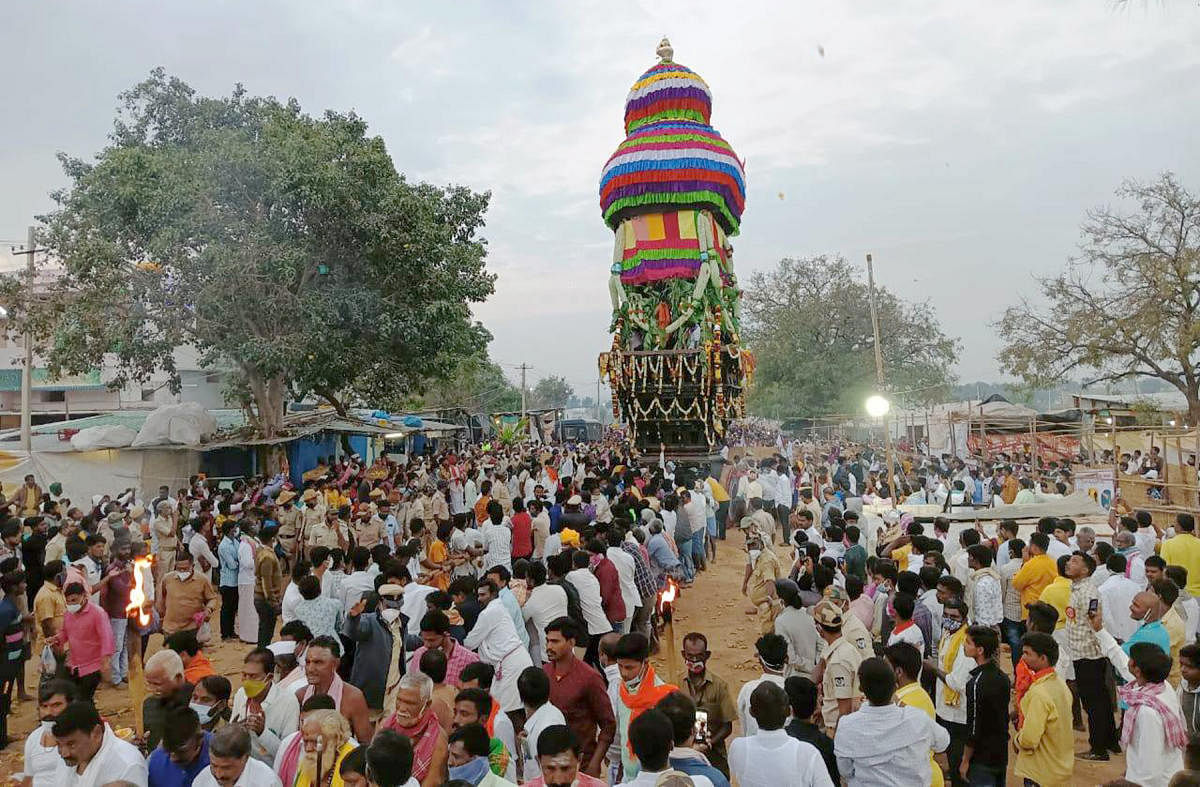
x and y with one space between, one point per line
1097 483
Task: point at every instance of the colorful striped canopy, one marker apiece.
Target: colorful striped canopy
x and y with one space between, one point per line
671 156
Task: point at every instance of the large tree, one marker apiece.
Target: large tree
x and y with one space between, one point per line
1128 306
286 248
549 392
808 322
476 384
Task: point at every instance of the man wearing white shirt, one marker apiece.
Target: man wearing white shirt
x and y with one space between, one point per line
1006 532
534 687
497 538
773 657
626 570
230 763
770 757
267 710
545 603
1116 594
495 639
883 744
359 581
1135 561
584 581
93 755
652 737
413 604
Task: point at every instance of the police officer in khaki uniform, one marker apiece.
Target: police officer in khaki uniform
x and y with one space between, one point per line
837 667
853 630
762 569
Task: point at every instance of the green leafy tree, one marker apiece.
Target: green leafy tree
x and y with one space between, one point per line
286 248
808 322
1127 307
475 384
550 392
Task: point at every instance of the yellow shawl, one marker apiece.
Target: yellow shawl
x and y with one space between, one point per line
950 652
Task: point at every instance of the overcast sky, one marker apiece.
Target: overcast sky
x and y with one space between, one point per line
959 142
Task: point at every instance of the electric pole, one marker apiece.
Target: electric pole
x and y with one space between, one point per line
893 493
524 367
30 251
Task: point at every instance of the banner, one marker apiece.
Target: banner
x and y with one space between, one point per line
1056 447
1098 484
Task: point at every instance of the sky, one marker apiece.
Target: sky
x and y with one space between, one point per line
959 143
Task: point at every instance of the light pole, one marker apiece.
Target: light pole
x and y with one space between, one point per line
877 402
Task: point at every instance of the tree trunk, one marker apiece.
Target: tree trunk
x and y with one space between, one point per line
1193 410
268 398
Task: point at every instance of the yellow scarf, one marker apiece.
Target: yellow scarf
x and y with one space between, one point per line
949 653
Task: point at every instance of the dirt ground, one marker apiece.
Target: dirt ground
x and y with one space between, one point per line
714 606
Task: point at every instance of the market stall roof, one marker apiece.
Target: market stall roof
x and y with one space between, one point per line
296 426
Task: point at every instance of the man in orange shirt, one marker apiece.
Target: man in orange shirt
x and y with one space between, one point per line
485 497
195 664
1037 573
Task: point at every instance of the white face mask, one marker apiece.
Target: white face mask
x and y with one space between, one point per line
754 553
185 575
73 608
47 725
390 615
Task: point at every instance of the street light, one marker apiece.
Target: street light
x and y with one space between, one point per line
877 406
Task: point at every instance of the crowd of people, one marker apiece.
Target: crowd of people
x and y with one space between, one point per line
487 617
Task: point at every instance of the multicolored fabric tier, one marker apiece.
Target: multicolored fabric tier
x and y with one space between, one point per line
671 156
665 245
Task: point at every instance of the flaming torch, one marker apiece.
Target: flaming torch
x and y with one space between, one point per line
666 612
136 612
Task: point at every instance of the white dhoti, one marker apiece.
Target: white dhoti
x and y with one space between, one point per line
246 624
504 687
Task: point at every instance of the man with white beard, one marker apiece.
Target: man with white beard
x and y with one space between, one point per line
326 735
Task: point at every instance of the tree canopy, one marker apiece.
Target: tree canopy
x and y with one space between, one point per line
1128 306
550 392
286 248
475 384
808 322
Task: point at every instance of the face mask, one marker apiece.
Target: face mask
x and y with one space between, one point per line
754 553
47 725
472 773
633 685
254 688
951 624
390 615
237 532
184 576
73 608
203 711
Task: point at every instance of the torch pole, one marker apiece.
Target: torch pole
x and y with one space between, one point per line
668 615
137 683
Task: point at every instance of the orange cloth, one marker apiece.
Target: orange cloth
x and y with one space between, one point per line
648 695
199 667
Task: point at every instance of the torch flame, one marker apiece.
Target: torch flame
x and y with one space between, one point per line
137 596
668 594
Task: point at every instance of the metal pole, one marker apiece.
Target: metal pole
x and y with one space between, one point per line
27 373
887 432
523 368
